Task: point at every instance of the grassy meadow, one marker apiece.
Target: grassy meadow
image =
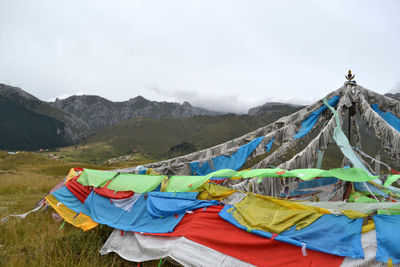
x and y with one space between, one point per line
37 240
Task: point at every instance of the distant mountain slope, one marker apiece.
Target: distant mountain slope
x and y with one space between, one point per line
162 138
99 113
272 111
73 129
271 106
74 118
23 129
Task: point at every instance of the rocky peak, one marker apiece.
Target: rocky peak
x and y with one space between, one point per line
137 99
15 92
98 112
186 104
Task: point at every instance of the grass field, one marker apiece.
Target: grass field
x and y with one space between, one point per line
37 240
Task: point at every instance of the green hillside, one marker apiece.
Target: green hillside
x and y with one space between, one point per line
162 138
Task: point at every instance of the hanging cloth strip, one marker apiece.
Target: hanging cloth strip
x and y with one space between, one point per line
388 117
137 183
344 146
393 171
269 145
145 183
189 183
311 120
343 143
320 157
388 237
234 161
391 179
22 216
371 158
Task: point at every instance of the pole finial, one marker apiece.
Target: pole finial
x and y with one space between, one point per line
350 76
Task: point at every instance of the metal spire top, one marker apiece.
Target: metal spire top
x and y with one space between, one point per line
350 76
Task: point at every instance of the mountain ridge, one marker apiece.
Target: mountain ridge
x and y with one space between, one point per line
393 95
70 120
99 113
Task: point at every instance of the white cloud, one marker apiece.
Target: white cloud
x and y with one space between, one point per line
396 88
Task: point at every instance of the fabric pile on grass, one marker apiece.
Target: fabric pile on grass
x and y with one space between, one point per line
236 227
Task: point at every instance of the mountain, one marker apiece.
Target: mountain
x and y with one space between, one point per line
167 137
28 123
272 111
98 113
271 107
394 96
74 128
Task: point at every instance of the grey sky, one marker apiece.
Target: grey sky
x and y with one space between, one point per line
220 54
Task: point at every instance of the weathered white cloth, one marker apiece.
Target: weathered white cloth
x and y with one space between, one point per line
138 248
361 207
368 242
126 203
22 216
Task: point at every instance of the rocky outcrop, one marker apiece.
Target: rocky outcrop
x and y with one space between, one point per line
98 112
16 93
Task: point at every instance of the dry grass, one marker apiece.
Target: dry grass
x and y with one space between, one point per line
37 239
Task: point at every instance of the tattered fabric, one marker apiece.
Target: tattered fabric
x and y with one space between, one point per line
274 215
139 248
79 220
337 235
388 237
160 204
311 120
137 183
388 117
207 228
234 161
103 211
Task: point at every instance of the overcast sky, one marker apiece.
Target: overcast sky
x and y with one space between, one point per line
222 55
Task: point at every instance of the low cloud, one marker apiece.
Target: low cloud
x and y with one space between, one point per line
396 88
217 102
